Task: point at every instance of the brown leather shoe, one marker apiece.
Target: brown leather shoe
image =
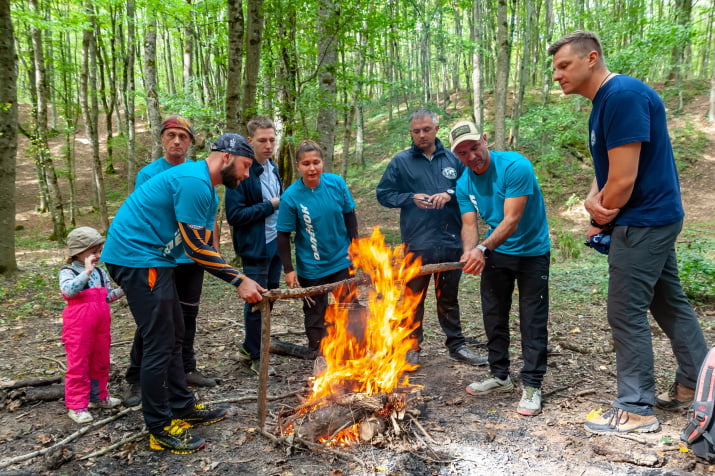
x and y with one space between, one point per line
616 420
678 396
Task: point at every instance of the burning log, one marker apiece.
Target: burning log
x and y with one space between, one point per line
349 416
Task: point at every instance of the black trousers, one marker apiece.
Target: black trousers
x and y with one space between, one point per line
446 288
154 303
189 280
531 275
315 327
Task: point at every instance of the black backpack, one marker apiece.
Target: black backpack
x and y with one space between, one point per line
699 433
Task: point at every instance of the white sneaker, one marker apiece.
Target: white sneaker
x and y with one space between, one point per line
80 415
109 402
530 403
489 385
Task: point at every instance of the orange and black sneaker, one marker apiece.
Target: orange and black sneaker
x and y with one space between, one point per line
204 415
177 439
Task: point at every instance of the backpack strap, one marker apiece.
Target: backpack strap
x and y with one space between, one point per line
703 403
76 273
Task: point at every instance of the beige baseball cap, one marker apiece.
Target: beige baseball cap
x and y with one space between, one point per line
462 131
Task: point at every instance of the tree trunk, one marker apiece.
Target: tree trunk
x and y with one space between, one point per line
235 62
188 50
107 93
254 37
524 69
59 232
150 85
502 83
288 81
711 110
90 108
328 21
8 140
130 115
477 93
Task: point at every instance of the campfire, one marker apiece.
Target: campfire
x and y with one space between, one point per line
363 390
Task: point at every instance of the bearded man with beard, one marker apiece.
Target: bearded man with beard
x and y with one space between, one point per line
172 213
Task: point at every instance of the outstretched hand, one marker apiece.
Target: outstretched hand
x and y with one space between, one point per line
250 291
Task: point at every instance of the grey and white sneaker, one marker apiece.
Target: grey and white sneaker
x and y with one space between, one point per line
530 403
489 385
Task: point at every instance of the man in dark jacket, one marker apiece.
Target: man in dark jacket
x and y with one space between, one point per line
420 181
252 211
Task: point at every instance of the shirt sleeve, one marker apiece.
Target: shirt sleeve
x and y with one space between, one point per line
71 283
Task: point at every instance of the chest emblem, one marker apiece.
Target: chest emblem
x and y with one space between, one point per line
449 173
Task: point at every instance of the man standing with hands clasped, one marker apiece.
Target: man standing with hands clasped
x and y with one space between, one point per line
501 188
636 194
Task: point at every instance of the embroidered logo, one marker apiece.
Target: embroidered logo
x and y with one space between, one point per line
449 173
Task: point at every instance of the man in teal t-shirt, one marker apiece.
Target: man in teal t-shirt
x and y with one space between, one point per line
501 188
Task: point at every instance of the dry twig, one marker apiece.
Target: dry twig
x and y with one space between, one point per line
119 443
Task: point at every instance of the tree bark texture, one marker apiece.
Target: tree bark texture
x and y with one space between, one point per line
152 92
235 62
254 37
328 21
502 82
129 93
8 140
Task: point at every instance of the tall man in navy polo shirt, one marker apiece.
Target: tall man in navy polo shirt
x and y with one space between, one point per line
636 196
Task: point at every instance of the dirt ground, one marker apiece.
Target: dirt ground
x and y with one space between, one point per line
463 435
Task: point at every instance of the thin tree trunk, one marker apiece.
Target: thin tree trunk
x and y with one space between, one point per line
130 113
328 20
476 33
152 92
235 62
43 153
254 36
711 110
523 71
8 140
502 82
90 108
188 50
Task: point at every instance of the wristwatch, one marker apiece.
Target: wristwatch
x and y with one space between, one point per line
485 251
450 192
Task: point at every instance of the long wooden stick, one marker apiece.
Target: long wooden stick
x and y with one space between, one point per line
274 294
265 307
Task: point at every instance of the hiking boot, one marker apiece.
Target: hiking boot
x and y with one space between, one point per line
243 355
256 367
489 385
463 354
177 439
204 415
196 379
678 396
413 357
530 403
80 415
109 402
133 395
616 420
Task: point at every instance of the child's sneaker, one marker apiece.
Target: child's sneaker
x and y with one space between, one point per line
109 402
530 404
80 415
177 439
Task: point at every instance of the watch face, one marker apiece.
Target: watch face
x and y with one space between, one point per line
450 191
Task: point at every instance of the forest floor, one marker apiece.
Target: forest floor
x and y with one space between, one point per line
467 435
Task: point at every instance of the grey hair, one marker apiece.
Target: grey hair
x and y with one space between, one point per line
421 113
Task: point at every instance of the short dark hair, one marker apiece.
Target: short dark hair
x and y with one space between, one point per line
581 41
306 146
422 113
259 123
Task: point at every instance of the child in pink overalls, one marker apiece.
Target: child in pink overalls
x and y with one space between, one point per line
86 325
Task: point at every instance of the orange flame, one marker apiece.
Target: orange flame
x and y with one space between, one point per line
372 362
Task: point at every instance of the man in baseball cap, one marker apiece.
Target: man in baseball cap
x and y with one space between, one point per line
169 215
502 189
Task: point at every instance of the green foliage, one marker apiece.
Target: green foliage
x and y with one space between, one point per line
565 245
689 144
696 267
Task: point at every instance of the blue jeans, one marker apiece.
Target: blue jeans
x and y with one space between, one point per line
531 274
643 274
267 273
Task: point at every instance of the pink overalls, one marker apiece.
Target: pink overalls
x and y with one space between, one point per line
86 323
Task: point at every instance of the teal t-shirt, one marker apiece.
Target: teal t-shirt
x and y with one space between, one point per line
509 175
316 217
145 230
155 168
